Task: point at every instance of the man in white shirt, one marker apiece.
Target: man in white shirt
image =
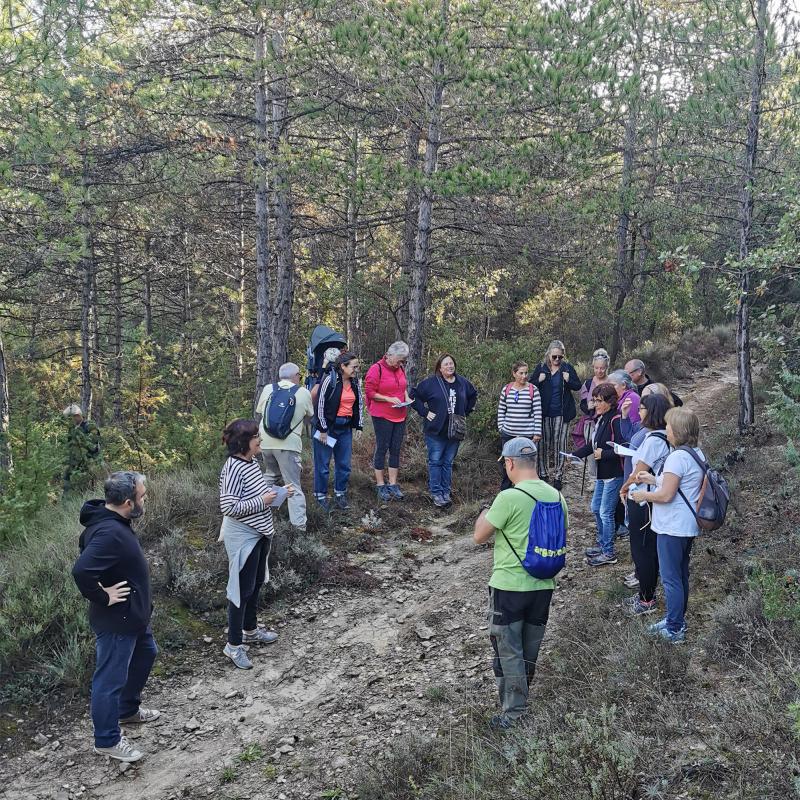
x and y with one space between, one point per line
281 457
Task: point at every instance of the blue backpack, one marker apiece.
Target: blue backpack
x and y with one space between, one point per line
279 411
546 553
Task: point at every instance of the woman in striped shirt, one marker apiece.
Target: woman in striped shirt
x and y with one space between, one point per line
247 530
519 412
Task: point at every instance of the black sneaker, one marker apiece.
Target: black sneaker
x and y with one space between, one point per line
341 502
500 722
591 552
601 560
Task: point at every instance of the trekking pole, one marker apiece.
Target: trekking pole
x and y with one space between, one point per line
583 480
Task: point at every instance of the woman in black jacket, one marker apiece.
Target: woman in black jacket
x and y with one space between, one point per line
609 479
338 409
443 400
556 380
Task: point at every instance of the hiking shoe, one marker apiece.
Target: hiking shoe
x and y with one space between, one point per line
591 552
123 750
439 501
142 715
601 560
678 637
500 722
655 628
622 532
629 602
259 636
384 493
394 491
447 498
237 654
640 608
324 504
630 580
341 502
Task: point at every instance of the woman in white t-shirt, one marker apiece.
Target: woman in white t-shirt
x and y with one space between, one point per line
674 499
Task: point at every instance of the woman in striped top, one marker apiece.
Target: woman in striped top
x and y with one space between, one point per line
519 412
247 530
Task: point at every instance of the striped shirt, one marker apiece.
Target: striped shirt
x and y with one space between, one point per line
519 414
241 488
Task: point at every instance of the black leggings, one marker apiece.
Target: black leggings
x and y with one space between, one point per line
388 436
251 579
643 550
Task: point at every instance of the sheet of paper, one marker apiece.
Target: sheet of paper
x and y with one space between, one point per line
621 450
570 457
283 493
403 404
331 439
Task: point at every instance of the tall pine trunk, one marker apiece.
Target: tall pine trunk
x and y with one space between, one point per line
409 228
743 364
116 369
281 185
351 251
6 459
420 269
263 310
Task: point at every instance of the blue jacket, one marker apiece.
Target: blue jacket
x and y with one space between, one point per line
110 553
431 395
545 389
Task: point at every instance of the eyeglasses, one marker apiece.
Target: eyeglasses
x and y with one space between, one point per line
556 358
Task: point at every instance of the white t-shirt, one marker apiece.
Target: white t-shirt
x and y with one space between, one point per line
676 518
653 450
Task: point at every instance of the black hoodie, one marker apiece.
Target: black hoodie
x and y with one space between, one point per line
110 553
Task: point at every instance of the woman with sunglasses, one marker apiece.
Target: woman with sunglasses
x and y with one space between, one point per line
556 380
386 391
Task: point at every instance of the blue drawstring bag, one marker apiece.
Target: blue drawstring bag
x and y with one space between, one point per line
546 553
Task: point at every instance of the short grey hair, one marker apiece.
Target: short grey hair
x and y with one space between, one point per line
637 364
121 486
621 378
288 371
397 350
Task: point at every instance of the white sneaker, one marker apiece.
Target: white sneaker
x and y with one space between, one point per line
123 750
237 654
142 715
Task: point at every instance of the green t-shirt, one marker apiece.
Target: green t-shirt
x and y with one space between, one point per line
511 513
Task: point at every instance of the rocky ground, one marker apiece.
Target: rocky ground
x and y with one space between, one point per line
352 670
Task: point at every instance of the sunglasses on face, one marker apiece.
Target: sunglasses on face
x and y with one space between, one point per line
557 358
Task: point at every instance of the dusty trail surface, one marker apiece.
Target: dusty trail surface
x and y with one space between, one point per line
350 671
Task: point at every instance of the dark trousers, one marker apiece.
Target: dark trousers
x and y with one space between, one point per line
517 622
388 437
251 578
505 481
644 550
123 665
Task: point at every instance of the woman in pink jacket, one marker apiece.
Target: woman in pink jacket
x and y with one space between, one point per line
386 390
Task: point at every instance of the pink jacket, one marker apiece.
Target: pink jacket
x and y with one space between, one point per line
390 382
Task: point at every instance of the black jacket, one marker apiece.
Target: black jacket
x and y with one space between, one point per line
607 430
328 398
545 389
110 553
432 395
676 401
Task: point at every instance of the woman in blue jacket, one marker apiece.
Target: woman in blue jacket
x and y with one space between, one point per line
443 400
556 380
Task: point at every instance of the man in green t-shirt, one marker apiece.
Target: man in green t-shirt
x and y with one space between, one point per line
519 603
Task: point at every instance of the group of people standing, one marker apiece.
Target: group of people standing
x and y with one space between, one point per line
658 484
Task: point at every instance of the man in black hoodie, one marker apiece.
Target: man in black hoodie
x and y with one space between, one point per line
112 573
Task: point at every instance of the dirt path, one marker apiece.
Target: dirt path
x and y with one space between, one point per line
350 672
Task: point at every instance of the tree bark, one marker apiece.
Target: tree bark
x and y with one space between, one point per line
87 293
6 458
284 278
351 252
116 371
263 310
147 301
743 362
240 318
421 265
409 228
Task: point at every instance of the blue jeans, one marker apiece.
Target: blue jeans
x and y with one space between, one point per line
123 666
673 563
342 453
604 502
441 453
